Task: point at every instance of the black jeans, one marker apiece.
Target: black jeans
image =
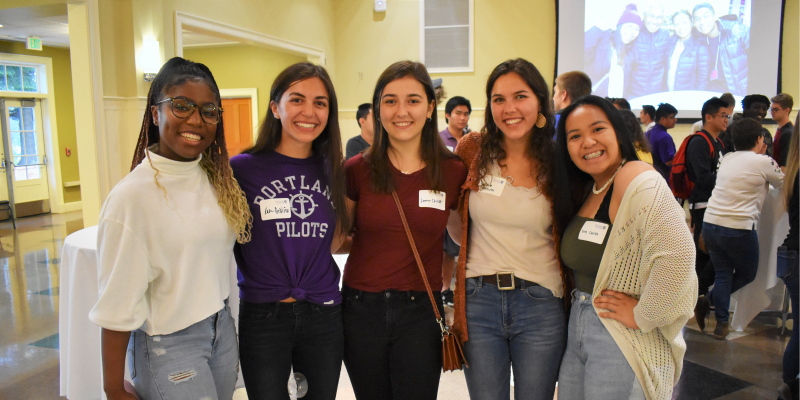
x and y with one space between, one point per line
392 344
703 266
274 337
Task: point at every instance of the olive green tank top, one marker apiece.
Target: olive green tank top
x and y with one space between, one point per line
580 251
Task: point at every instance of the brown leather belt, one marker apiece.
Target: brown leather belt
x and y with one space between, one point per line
507 281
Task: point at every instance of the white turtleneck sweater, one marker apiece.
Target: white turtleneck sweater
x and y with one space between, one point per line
163 257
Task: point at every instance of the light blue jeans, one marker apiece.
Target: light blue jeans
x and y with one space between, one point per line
594 366
525 328
198 362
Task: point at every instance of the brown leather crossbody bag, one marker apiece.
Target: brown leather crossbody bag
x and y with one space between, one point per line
452 352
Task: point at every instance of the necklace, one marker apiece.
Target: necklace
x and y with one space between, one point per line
510 178
608 182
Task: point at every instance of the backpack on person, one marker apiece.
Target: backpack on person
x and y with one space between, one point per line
679 180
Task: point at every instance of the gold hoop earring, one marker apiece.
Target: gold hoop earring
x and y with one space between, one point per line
541 121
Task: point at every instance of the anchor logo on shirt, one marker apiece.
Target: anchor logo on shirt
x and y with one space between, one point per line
305 205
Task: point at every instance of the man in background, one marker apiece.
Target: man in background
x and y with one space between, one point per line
456 115
780 109
361 142
755 106
663 147
568 87
728 98
650 53
647 117
620 103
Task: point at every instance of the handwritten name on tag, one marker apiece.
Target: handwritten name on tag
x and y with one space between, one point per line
275 209
593 231
431 199
493 185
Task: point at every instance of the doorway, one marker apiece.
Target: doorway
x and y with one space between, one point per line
238 124
23 157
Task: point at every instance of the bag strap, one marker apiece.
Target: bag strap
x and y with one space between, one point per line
419 263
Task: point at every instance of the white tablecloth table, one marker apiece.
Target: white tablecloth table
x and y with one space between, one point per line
79 338
766 289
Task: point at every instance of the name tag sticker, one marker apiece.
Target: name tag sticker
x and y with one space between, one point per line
451 148
593 231
275 209
493 185
431 199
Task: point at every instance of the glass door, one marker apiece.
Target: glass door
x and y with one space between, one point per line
23 156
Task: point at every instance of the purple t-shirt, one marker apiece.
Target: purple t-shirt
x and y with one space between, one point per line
449 141
663 149
290 250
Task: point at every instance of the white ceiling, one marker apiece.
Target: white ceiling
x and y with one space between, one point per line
47 22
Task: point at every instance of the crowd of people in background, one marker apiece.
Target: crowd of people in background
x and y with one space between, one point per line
651 52
559 223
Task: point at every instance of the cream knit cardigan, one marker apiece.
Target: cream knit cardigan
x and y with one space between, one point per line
650 255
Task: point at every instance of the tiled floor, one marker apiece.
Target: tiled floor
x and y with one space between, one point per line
747 366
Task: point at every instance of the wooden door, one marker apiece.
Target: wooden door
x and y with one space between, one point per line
238 122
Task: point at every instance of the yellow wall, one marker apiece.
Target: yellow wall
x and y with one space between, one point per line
790 59
262 66
368 42
62 90
116 42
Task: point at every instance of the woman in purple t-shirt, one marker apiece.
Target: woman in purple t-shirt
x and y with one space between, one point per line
290 314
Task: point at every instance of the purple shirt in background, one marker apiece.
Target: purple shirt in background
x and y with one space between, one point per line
663 149
448 139
289 255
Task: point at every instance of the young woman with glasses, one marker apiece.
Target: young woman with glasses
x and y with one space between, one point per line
290 312
165 246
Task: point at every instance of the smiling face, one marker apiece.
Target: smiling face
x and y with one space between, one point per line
653 19
757 110
683 25
629 31
591 141
184 139
458 118
704 21
303 111
515 107
404 109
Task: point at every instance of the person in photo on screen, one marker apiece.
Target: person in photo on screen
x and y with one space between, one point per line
780 109
290 315
688 56
650 53
732 212
608 54
165 249
625 238
359 143
647 117
728 42
661 143
568 87
640 143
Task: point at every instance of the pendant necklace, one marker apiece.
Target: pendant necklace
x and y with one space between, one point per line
607 182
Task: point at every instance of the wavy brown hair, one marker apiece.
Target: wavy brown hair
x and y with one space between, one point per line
230 197
327 145
432 150
540 147
792 164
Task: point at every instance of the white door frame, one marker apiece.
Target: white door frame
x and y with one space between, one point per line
245 93
55 188
214 28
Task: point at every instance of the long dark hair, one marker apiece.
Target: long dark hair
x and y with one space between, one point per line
540 143
327 145
571 184
635 131
432 150
230 197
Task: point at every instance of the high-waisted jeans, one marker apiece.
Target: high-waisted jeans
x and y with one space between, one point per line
523 327
594 366
198 362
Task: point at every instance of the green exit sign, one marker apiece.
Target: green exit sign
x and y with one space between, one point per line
34 43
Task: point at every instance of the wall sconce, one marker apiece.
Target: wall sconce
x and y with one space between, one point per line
151 59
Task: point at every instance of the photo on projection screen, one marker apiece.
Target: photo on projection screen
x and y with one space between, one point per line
673 51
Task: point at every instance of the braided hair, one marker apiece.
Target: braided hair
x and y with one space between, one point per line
230 197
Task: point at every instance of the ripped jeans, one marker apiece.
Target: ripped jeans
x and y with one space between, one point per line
200 362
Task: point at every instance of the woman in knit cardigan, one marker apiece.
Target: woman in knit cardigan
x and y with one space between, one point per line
626 239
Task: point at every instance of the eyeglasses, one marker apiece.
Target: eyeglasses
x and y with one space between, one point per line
774 110
722 115
183 109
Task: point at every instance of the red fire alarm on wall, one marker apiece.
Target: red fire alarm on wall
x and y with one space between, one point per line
68 151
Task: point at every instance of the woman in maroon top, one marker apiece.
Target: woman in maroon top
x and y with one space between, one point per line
392 340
